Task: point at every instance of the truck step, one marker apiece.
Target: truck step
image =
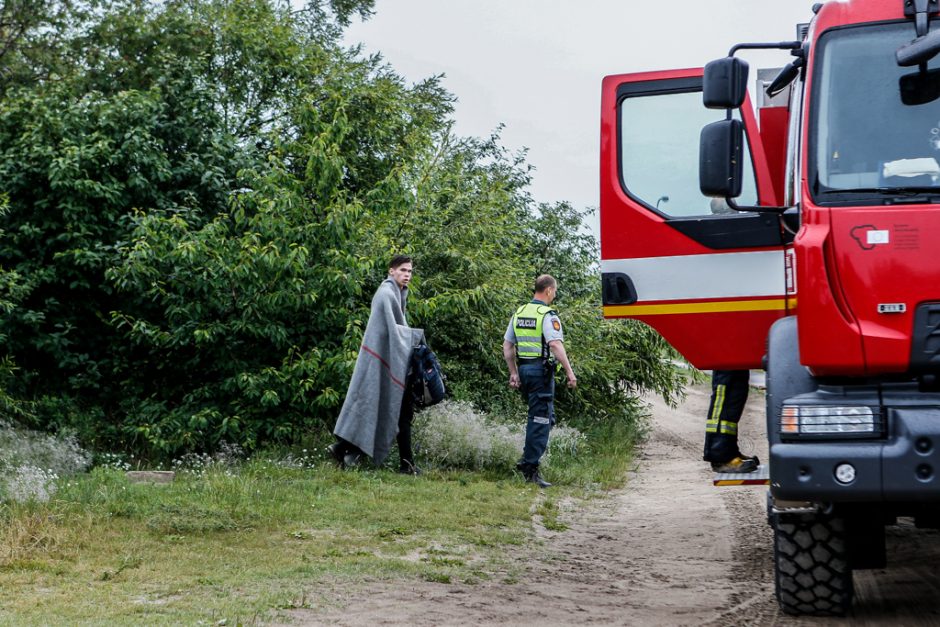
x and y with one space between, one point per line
761 476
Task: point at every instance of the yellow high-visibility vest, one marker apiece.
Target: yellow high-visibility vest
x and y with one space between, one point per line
527 325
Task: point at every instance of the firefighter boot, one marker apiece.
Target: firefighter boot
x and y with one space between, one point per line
532 475
737 464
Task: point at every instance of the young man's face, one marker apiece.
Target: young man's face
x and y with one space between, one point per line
401 274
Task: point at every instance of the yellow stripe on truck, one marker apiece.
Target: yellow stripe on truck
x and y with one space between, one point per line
725 306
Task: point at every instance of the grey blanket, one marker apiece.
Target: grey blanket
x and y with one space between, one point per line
369 418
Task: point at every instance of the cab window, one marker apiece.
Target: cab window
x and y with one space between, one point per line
659 154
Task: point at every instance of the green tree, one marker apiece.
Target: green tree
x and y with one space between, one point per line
266 301
203 195
147 118
11 292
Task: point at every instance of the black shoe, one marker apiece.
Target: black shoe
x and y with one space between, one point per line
408 468
536 478
532 475
351 460
336 452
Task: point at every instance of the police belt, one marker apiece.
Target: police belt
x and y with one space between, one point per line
531 360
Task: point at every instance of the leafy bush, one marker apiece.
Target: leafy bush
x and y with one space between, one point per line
453 434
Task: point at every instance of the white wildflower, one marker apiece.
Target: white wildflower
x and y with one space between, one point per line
453 434
29 483
31 462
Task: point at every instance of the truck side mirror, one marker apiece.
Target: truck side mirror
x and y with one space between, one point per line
724 83
920 88
721 163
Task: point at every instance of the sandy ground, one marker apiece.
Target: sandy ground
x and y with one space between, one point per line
668 549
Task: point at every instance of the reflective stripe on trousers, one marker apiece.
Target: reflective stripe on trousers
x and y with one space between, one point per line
729 395
538 387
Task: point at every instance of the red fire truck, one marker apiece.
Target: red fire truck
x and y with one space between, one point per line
799 234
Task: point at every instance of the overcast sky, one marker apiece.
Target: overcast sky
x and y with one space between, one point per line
536 65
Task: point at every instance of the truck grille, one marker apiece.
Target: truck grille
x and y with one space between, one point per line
925 342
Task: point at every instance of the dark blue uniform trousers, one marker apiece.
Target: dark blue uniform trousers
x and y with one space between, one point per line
538 386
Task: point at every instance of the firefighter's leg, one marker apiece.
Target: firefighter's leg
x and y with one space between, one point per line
729 394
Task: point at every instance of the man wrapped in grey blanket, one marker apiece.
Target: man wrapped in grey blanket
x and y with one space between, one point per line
379 403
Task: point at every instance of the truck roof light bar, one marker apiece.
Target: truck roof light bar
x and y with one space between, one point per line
780 45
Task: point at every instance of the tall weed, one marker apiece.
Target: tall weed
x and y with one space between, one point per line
31 462
455 435
27 532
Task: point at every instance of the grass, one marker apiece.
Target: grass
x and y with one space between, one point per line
239 543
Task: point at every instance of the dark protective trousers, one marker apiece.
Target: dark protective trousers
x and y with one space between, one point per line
538 387
729 394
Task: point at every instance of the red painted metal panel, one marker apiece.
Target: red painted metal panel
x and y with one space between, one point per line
845 12
774 122
902 270
830 343
839 336
729 341
629 230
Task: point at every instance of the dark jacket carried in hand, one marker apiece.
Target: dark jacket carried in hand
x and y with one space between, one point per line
429 379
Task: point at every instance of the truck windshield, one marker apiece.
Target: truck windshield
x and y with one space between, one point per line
875 133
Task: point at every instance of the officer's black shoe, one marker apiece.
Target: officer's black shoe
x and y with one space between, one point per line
532 475
536 478
336 452
408 468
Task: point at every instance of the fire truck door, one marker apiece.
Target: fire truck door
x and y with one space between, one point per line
710 279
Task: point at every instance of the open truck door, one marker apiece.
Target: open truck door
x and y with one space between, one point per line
710 279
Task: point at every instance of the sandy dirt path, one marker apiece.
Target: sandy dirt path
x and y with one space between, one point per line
668 549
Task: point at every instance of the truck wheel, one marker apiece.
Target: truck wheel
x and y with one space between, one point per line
811 565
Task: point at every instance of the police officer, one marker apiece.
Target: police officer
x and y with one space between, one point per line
729 394
532 344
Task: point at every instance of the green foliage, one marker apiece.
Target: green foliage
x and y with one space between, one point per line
34 36
203 195
266 300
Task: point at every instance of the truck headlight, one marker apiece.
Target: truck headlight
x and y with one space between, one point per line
809 420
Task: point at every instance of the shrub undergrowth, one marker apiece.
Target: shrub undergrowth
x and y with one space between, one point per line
32 462
453 434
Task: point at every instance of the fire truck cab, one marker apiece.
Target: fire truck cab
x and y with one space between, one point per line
799 233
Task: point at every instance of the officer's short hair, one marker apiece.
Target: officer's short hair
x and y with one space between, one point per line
545 281
398 260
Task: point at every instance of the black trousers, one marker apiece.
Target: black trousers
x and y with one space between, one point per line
538 387
405 417
729 394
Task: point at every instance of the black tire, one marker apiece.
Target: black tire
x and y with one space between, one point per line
811 565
